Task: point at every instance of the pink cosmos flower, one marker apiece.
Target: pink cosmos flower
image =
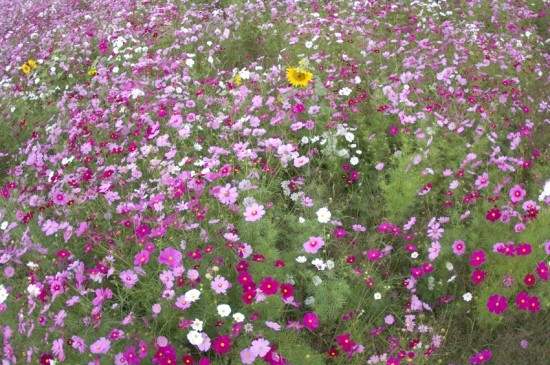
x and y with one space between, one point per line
434 250
254 212
129 278
220 285
228 195
300 161
101 346
459 247
482 181
171 257
517 194
260 347
247 357
59 198
313 244
477 258
497 304
311 321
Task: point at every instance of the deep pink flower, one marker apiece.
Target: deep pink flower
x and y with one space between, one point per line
523 249
477 258
373 255
311 321
269 286
222 344
478 276
481 357
522 301
542 270
344 342
497 304
534 304
529 280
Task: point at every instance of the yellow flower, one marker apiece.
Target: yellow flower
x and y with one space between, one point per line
238 79
298 77
26 69
92 72
32 63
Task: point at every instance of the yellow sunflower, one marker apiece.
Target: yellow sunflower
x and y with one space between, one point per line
298 77
32 63
26 69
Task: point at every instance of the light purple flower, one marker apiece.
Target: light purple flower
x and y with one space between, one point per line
101 346
254 212
220 285
170 257
129 278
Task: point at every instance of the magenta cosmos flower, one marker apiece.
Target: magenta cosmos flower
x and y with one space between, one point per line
477 258
170 257
480 357
254 212
269 286
311 321
222 344
497 304
313 244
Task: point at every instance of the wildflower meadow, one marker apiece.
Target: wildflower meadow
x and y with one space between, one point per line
274 182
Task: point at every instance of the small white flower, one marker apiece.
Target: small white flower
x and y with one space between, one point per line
449 266
330 264
467 297
377 296
32 265
354 161
301 220
33 290
4 225
3 294
319 264
189 62
317 280
349 137
301 259
197 324
192 295
323 215
451 278
309 44
224 310
195 338
309 300
238 317
414 255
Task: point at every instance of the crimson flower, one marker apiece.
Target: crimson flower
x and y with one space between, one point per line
493 215
269 286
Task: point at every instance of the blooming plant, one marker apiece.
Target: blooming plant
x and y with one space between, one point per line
320 182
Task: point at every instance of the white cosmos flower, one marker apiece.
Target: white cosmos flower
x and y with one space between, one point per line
323 215
467 297
195 338
192 295
224 310
197 324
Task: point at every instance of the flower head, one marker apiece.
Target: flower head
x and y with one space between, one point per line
297 77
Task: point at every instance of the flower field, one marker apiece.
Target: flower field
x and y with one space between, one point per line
279 182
